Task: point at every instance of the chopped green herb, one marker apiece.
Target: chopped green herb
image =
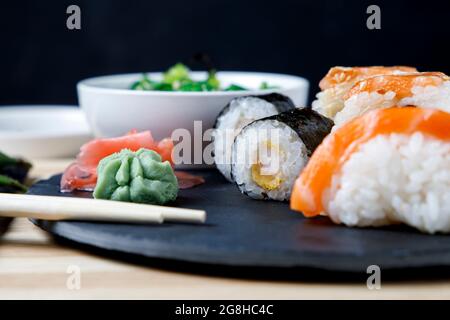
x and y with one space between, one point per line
162 86
196 86
234 87
264 86
177 73
212 80
144 84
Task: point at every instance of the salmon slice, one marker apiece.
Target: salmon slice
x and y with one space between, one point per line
82 174
313 183
340 75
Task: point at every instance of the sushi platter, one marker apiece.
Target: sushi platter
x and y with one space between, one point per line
242 232
361 177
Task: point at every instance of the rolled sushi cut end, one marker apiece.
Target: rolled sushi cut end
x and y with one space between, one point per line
269 153
237 114
388 166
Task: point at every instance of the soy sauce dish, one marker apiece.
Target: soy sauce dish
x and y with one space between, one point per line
112 105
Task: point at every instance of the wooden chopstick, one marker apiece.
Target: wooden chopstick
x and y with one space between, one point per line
65 208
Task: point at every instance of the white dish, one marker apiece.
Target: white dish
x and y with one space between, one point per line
42 131
112 109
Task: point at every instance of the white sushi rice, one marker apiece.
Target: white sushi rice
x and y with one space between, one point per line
363 102
330 101
241 112
433 97
394 179
287 158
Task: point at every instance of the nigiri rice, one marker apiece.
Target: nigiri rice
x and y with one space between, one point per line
395 178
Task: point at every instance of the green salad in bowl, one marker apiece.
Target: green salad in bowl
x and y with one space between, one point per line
175 99
177 78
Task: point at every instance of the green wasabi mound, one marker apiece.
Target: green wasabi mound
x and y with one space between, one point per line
138 176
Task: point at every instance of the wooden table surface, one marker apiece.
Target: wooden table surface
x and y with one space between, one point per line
32 266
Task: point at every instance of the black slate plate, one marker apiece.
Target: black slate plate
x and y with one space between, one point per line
245 232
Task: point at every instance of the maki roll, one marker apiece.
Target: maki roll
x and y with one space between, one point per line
387 166
236 115
269 153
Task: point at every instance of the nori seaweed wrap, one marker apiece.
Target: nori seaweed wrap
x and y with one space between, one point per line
238 113
269 153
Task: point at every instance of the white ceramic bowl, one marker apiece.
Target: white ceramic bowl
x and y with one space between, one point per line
112 109
42 131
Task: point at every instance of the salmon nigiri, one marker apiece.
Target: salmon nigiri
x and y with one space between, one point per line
387 166
339 80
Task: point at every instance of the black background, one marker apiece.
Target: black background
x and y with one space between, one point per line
41 60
